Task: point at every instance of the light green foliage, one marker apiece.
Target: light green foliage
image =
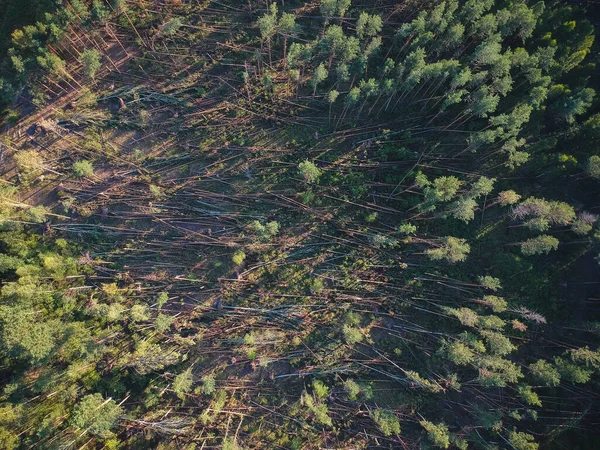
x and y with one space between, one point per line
352 318
95 415
353 96
114 312
9 417
483 186
139 313
111 290
99 11
332 96
51 63
423 383
382 241
171 26
587 356
156 191
238 257
149 357
23 336
297 55
528 396
352 335
162 299
230 444
539 214
368 25
491 322
272 228
452 249
287 24
386 421
407 228
443 189
572 372
309 171
208 384
320 389
459 353
461 444
249 339
467 316
83 168
584 223
498 304
489 282
342 47
343 75
37 214
545 372
463 209
28 160
264 232
496 371
268 23
90 58
522 441
183 383
352 389
163 322
593 167
437 434
371 217
215 408
539 245
319 75
317 409
497 343
330 8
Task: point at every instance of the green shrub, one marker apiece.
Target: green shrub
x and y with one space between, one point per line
238 257
309 171
83 169
387 421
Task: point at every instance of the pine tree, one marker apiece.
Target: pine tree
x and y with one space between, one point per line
452 249
90 58
267 25
95 415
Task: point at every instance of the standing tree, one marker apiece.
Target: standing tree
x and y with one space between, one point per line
332 97
96 415
267 25
452 249
331 8
368 25
287 28
90 58
539 244
319 76
309 171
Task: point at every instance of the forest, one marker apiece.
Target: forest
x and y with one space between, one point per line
299 224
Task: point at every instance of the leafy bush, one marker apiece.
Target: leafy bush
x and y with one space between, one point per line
386 420
83 169
238 257
309 171
96 415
